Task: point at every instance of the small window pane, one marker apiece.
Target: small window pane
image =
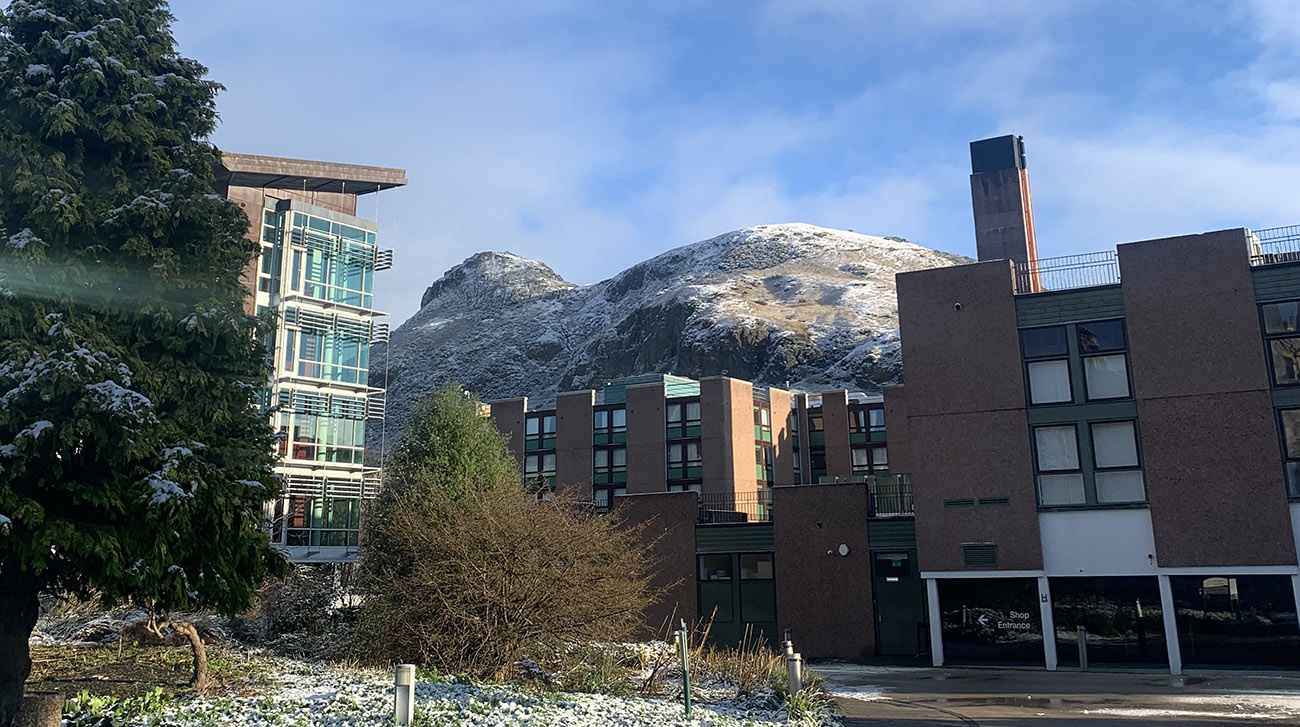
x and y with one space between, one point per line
548 424
1120 487
1291 432
877 418
1061 489
692 451
755 566
1044 341
693 411
532 425
1057 448
1113 444
715 567
880 457
815 423
1286 360
1281 317
675 453
1106 376
600 420
602 498
602 459
861 459
548 463
620 418
1101 336
674 413
1049 382
620 457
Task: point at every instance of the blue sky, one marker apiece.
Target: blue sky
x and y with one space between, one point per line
591 135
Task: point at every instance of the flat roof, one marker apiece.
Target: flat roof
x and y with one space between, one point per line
251 170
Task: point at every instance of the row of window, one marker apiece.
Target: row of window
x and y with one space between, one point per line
1095 348
870 459
1110 472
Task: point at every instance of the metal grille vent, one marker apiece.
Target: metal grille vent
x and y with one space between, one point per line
352 329
310 402
979 555
375 407
347 407
383 259
379 333
959 503
984 501
291 314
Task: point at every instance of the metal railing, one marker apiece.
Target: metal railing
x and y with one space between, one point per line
891 496
1274 245
729 508
1069 271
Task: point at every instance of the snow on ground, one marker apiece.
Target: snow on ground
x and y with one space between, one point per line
311 695
860 692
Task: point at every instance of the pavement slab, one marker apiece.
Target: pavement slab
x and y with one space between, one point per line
915 696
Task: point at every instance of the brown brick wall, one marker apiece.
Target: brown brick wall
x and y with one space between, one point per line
822 597
896 435
966 415
727 435
573 457
783 454
669 544
1209 442
508 415
647 454
835 420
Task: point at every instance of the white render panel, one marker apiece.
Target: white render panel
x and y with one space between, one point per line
1097 542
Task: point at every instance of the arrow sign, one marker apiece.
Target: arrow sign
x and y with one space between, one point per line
983 619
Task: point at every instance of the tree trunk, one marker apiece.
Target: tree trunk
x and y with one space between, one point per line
200 679
19 606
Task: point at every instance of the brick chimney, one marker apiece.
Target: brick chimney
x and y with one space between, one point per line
999 191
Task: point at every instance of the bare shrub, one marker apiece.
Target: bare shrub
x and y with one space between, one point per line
490 575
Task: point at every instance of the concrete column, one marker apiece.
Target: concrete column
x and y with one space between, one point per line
1171 625
1049 623
835 422
573 450
936 621
782 454
647 454
509 415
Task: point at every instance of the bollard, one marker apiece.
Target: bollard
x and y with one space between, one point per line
684 646
1083 649
404 695
794 668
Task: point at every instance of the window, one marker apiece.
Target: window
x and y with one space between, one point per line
692 413
1060 480
600 420
674 414
675 452
693 454
604 496
609 426
1106 376
1291 449
607 461
618 420
879 458
756 567
877 418
815 423
857 421
715 567
539 432
1280 323
861 460
1118 476
1049 380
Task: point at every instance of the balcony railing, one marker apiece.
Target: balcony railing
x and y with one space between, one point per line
728 508
1275 245
891 496
1066 272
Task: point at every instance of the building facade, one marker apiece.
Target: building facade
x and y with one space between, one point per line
315 270
1113 473
738 488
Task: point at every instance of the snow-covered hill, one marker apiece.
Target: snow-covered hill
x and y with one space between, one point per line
791 304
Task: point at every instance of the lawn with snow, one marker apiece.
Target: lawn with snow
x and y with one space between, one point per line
303 694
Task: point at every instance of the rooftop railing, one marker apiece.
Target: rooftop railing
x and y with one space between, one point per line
729 508
1274 245
1066 272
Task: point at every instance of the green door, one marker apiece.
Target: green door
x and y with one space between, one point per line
899 603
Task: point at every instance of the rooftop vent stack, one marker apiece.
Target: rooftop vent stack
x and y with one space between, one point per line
1004 214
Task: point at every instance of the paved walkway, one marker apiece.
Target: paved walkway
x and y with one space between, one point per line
903 696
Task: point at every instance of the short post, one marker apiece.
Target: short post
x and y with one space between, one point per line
1083 649
794 668
404 694
684 647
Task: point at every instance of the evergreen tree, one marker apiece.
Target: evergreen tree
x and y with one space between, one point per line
133 461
